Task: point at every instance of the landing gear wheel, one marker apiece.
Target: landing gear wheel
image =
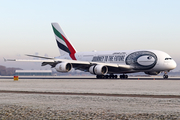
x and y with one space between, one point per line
115 76
106 76
120 76
126 76
100 76
165 76
123 76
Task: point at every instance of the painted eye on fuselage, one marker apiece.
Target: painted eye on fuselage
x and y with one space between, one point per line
142 60
146 60
149 57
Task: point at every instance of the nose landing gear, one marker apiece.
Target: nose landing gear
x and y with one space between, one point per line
165 76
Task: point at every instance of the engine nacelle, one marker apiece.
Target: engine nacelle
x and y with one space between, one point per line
98 69
63 67
153 73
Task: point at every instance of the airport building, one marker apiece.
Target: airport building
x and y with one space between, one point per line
33 73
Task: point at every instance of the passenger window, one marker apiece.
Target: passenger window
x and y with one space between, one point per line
168 58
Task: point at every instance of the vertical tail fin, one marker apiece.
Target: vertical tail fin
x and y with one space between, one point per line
64 45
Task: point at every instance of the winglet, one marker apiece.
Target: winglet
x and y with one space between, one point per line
9 59
4 59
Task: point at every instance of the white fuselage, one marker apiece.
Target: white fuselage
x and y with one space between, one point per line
140 60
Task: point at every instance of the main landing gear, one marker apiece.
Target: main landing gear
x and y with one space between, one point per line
123 76
165 76
106 76
111 76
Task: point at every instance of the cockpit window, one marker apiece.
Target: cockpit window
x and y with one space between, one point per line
168 58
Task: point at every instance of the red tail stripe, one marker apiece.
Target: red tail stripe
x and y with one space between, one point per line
70 47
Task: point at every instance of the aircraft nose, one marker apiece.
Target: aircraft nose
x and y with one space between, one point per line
173 64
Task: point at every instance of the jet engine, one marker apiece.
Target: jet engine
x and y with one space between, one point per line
98 69
63 67
153 73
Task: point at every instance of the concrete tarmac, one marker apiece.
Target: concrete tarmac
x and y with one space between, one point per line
138 85
28 94
89 77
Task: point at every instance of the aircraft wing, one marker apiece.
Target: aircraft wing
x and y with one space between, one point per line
78 65
84 66
27 60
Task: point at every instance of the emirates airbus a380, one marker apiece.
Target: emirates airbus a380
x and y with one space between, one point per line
105 64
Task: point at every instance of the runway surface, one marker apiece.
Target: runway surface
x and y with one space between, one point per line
132 87
87 97
89 77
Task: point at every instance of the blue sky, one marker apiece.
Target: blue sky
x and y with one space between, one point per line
90 25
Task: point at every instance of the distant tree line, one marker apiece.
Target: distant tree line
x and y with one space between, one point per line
7 71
